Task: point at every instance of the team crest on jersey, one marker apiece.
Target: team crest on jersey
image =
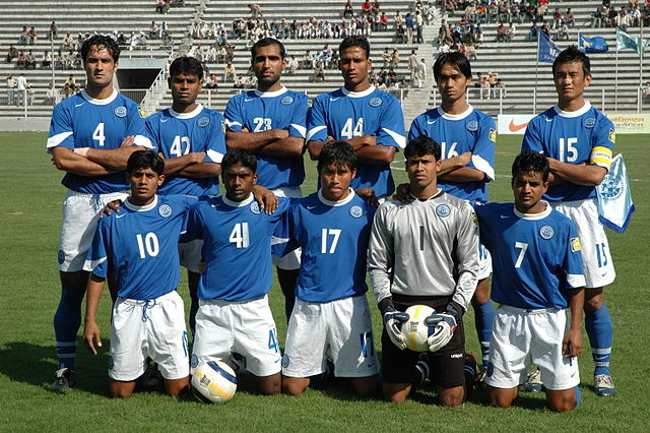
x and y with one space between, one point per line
493 135
195 361
61 257
255 208
576 245
546 232
443 210
287 100
356 211
120 111
612 135
203 122
589 122
376 102
472 126
165 210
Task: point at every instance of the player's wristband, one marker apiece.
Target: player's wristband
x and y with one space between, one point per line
386 305
455 310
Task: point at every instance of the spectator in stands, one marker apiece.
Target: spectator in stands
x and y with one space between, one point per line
485 86
419 26
557 19
154 30
599 16
348 12
532 32
420 73
21 60
21 90
12 53
502 33
68 41
512 31
383 22
292 65
394 59
492 79
22 38
11 90
229 73
318 73
413 66
622 20
161 6
53 30
410 27
563 33
569 18
255 10
365 8
213 82
47 59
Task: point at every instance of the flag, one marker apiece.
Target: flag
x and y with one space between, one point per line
615 205
595 44
547 51
627 42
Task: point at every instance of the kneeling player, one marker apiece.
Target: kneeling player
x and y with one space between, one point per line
330 319
138 246
234 314
537 276
424 252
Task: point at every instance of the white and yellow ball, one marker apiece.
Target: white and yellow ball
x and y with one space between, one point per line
214 382
415 331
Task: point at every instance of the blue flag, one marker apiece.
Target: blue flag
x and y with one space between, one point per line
547 51
596 44
615 205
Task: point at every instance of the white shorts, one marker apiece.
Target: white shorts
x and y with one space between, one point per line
484 263
190 255
596 259
291 260
80 217
521 335
246 328
149 329
340 331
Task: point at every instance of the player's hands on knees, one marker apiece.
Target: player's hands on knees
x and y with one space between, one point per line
92 337
393 321
403 193
266 200
368 194
572 343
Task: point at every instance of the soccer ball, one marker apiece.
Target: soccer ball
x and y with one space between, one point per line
214 382
415 330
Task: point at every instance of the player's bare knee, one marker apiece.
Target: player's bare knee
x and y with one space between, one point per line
451 397
499 398
270 385
120 391
562 404
396 394
294 387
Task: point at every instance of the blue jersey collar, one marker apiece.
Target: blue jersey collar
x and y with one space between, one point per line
351 94
345 201
534 216
192 114
242 203
576 113
143 208
94 101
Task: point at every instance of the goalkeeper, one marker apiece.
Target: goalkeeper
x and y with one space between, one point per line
424 251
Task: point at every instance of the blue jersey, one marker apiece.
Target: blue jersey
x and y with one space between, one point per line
139 246
536 257
472 131
177 134
583 136
81 121
344 115
258 111
237 239
334 239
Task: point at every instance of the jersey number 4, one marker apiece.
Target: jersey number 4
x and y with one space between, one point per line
239 235
98 134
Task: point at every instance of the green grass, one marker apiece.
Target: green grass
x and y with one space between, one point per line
29 293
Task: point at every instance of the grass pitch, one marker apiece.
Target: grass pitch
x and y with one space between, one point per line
29 292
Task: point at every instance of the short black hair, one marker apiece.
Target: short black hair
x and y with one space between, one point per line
265 42
453 58
573 55
145 159
187 65
355 41
238 156
338 153
100 41
421 146
529 161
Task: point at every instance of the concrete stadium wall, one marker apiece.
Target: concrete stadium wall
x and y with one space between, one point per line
21 124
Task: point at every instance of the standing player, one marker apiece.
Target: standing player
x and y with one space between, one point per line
139 245
91 137
271 121
191 139
331 319
578 140
537 277
459 128
424 252
369 119
234 314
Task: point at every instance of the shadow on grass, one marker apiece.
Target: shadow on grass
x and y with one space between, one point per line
35 365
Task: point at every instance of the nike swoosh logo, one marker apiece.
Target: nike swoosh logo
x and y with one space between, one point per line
310 207
248 99
431 122
503 217
78 105
513 127
118 216
334 99
163 120
548 120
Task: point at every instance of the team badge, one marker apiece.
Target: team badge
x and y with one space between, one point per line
287 100
255 208
203 122
576 245
611 187
472 126
195 361
356 211
61 257
612 135
165 210
589 122
285 361
546 232
443 210
493 135
120 111
376 102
